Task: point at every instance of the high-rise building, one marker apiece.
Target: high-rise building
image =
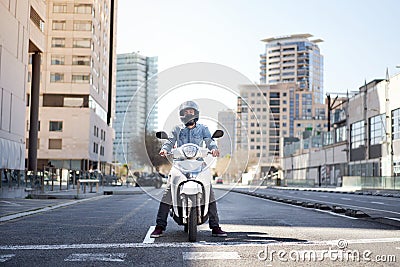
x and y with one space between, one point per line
227 122
136 108
294 58
77 86
22 25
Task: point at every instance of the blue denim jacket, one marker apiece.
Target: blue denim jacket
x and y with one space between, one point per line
182 135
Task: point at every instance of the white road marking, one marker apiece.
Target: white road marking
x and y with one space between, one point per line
148 239
188 244
210 256
380 203
258 235
339 204
345 198
396 219
6 257
11 203
110 257
26 213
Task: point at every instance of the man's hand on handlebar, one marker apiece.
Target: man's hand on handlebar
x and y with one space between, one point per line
215 152
163 153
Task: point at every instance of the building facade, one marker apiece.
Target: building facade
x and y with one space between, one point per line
268 112
364 143
77 86
22 25
293 58
227 122
136 107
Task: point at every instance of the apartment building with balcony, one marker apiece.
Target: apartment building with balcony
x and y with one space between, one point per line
293 58
22 25
77 92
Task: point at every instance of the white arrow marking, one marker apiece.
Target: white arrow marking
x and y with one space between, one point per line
148 239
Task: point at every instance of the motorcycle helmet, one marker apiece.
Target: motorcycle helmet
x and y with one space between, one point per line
189 119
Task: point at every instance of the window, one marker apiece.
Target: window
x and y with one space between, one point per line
81 43
357 134
340 134
396 124
55 143
56 77
274 95
73 102
59 8
83 9
82 25
95 148
377 128
55 126
57 60
81 60
275 110
59 25
80 78
274 102
57 42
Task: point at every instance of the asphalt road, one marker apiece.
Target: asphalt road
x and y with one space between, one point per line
114 230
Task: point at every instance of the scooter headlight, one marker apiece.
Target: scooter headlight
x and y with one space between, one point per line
189 151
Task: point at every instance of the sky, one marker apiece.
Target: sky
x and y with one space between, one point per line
361 37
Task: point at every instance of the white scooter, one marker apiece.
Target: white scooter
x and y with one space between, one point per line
190 179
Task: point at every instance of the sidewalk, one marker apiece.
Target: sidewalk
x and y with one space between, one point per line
14 204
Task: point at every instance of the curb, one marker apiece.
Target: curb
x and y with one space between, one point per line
367 193
320 206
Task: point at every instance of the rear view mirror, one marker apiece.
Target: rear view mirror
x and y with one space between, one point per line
218 134
161 135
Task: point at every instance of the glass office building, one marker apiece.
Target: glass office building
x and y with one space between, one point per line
136 108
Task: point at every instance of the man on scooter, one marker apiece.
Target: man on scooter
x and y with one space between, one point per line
191 132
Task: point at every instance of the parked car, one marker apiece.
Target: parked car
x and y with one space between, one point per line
149 179
219 180
112 180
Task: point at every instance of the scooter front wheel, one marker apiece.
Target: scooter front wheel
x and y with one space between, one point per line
192 224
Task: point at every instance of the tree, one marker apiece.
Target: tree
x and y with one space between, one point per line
146 149
231 166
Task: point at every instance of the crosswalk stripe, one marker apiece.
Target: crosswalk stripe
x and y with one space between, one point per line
210 256
109 257
190 244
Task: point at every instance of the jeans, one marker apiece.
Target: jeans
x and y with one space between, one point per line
166 202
